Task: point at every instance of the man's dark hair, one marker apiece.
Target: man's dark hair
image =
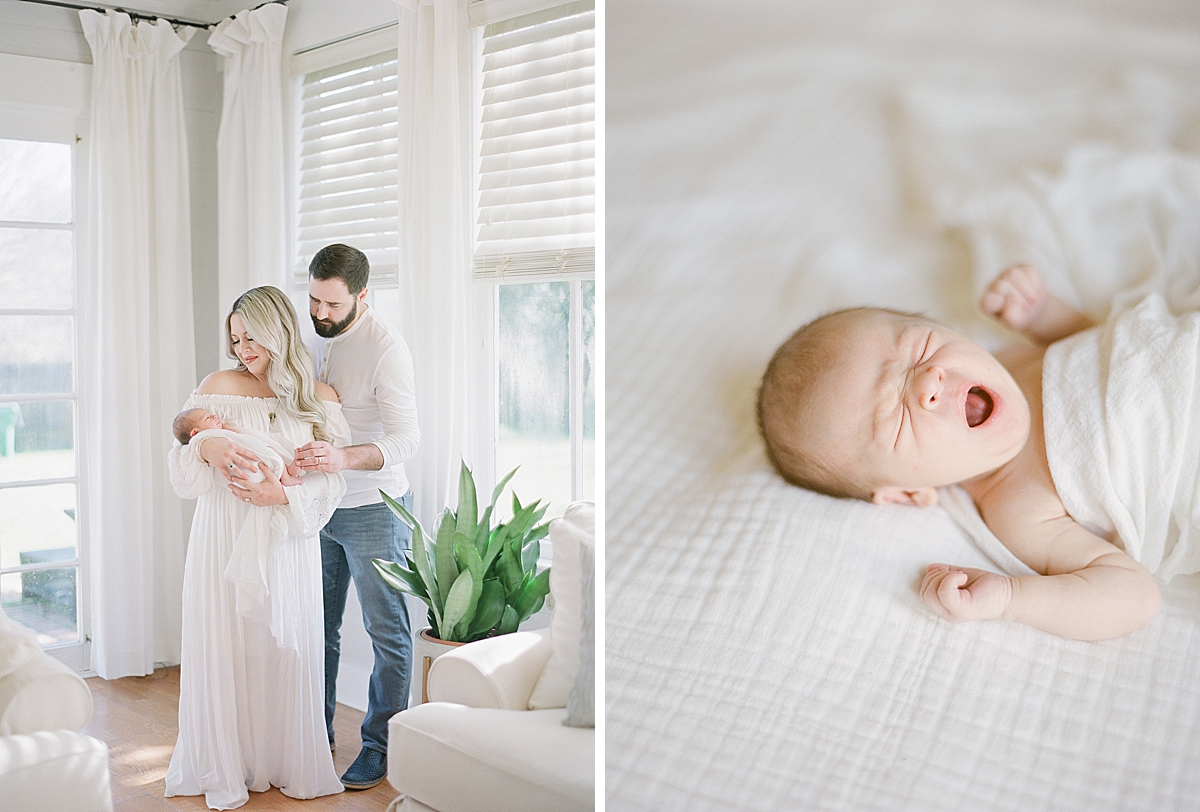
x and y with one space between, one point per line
342 262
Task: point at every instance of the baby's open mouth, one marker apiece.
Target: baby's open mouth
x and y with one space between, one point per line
979 406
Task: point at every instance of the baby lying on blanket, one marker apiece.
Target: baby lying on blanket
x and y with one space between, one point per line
264 527
890 407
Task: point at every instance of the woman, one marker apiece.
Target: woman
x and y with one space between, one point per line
252 671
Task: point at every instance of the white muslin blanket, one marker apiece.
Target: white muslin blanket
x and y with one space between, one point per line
249 564
1119 408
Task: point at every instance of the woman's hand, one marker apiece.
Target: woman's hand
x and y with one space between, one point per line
260 494
234 463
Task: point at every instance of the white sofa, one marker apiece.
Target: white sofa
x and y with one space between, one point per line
46 765
476 746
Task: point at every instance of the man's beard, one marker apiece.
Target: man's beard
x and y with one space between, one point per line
329 329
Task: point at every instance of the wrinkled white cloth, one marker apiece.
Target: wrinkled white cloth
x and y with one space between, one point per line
1119 405
18 645
264 528
251 710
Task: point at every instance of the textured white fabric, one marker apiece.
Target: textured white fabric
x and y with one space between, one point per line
435 260
568 536
251 192
1118 404
581 704
43 694
766 647
54 771
18 644
251 690
137 344
459 759
496 672
371 369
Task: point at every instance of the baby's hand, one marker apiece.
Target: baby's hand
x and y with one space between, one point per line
1016 297
291 476
962 593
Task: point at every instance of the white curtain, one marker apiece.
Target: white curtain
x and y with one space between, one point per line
251 192
435 287
138 345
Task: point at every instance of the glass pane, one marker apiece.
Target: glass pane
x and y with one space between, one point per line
43 600
37 525
588 315
35 181
49 252
36 354
535 393
37 440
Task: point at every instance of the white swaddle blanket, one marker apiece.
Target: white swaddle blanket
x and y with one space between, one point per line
249 565
1119 406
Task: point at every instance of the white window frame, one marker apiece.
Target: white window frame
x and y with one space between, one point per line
23 121
481 13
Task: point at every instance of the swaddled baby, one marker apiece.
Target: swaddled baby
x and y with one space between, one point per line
891 407
264 527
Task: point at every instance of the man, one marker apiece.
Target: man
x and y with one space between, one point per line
371 369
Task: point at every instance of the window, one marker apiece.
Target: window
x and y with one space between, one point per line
535 239
348 166
40 543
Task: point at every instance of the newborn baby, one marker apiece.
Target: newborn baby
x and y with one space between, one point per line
192 422
889 407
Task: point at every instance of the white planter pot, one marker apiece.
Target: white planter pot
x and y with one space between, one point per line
426 649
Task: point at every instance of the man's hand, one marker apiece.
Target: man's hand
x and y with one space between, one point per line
1016 297
320 456
962 593
233 462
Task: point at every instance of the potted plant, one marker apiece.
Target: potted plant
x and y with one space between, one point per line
477 575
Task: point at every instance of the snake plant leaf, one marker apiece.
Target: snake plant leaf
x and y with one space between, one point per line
457 603
420 557
539 513
499 489
508 621
397 577
447 568
538 533
400 511
516 504
489 610
482 533
468 510
530 555
509 570
520 521
494 547
469 560
531 593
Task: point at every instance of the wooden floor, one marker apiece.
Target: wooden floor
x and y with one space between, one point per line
137 717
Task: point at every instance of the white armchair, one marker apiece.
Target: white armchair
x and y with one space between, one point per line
476 746
45 763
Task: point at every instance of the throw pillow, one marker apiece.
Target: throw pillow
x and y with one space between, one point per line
567 535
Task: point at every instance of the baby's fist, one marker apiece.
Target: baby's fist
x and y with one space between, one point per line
962 593
1016 297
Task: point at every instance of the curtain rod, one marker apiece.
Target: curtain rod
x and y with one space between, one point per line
141 15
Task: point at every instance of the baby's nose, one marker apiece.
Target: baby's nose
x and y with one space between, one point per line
928 386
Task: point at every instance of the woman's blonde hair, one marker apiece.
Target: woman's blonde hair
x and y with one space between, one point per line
270 319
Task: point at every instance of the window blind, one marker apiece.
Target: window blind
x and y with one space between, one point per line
349 169
537 174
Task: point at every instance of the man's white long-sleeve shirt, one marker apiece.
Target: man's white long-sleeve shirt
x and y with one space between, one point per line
371 369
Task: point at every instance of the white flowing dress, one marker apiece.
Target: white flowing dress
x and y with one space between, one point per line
251 699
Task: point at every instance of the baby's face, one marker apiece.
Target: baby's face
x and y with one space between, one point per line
919 405
208 420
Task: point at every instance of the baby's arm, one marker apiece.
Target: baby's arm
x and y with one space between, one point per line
1018 298
1090 590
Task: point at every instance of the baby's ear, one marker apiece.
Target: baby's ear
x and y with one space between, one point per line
920 497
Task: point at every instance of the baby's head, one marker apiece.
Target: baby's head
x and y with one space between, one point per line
886 406
191 421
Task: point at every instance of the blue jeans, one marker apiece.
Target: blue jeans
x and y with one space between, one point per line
348 543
